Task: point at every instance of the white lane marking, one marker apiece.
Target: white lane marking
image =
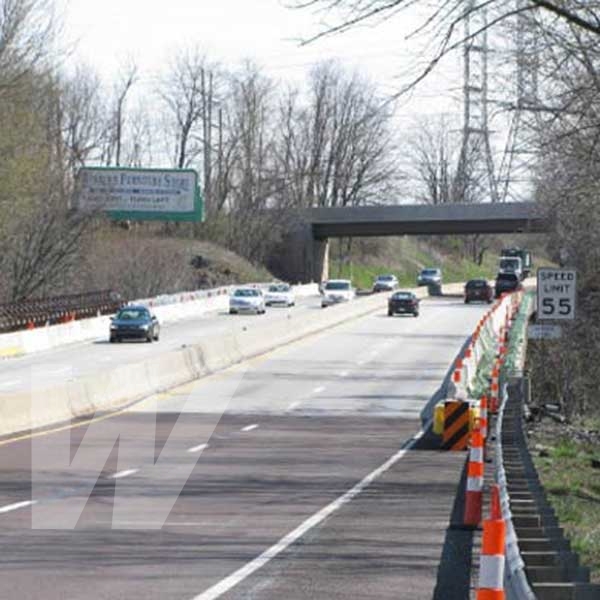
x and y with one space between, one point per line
10 507
319 389
198 448
344 374
293 405
125 473
249 427
260 561
360 363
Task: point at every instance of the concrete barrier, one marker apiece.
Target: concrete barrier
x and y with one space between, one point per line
168 309
116 388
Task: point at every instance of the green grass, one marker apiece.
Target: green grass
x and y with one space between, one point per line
405 259
573 488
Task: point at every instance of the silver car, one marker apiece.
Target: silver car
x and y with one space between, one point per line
429 276
247 300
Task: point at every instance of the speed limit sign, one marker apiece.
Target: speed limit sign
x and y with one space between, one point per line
556 294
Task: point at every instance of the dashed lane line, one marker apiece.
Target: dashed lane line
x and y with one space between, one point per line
125 473
16 506
198 448
249 427
229 582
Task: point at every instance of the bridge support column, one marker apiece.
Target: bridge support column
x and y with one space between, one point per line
320 263
301 258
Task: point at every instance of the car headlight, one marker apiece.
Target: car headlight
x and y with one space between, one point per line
113 326
145 327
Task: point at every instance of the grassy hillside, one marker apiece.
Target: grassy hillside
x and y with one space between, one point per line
406 256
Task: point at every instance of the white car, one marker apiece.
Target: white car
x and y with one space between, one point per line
385 283
336 291
247 299
280 294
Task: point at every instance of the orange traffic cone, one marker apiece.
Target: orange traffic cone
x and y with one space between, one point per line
491 567
494 392
495 508
474 493
458 366
483 416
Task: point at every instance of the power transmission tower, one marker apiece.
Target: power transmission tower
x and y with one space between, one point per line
476 163
515 168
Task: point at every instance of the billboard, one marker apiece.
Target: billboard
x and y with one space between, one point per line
140 194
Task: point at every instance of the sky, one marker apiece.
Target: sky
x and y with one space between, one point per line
107 34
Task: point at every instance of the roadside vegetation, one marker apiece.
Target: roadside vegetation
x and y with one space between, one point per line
361 260
568 461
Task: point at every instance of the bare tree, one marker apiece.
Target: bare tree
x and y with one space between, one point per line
190 92
81 117
336 148
27 28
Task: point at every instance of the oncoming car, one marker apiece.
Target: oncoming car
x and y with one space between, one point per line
336 291
478 289
403 303
134 323
429 276
385 283
280 294
249 300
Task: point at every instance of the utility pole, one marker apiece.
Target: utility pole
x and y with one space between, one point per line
476 151
207 108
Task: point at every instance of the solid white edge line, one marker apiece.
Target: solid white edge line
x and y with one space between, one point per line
198 448
125 473
10 507
319 389
249 427
260 561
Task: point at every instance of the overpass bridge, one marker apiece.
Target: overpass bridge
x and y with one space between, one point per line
306 252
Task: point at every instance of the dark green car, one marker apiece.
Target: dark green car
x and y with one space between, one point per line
134 323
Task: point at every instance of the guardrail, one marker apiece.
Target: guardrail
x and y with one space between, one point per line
516 582
539 563
29 314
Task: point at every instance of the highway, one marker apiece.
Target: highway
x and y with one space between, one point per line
307 477
76 360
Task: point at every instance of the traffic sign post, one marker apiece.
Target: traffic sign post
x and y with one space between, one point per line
556 294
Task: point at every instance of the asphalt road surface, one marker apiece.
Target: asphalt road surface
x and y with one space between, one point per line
295 475
77 360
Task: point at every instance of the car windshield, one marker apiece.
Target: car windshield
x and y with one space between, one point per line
283 287
385 278
477 283
133 314
429 272
337 285
506 277
245 293
403 296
